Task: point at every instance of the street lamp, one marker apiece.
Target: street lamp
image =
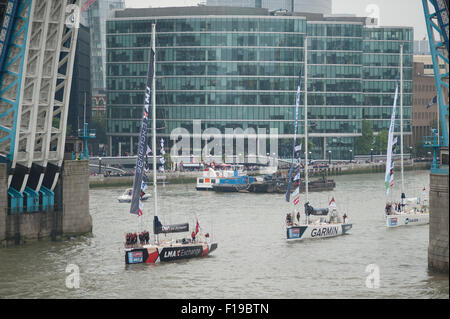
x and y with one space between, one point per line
329 153
99 165
410 152
371 155
350 155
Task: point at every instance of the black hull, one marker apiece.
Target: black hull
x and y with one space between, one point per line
281 187
203 189
229 188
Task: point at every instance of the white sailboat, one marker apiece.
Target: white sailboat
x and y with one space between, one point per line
139 248
408 211
127 196
321 222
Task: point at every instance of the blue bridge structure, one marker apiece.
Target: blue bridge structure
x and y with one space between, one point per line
436 20
37 51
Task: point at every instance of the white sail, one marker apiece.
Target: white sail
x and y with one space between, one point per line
389 175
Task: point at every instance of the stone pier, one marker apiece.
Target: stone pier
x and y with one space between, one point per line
438 257
68 218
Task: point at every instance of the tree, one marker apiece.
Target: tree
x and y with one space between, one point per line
381 141
419 149
364 142
99 124
434 125
55 123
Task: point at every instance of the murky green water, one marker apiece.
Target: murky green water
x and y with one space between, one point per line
253 259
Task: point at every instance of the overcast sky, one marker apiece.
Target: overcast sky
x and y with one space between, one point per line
389 12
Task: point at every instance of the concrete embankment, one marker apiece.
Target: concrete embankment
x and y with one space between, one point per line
69 217
191 177
368 168
127 181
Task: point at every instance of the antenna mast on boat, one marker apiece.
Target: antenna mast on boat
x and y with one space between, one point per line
306 119
306 123
154 127
401 117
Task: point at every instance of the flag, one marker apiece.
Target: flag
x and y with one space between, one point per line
149 150
332 202
296 192
141 207
433 101
395 141
298 148
296 200
297 177
197 228
143 186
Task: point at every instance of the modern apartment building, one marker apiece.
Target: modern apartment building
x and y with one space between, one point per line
236 67
80 94
95 16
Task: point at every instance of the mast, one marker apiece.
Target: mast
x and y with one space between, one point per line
401 119
306 118
154 128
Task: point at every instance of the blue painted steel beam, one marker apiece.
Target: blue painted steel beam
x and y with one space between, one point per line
441 8
32 199
48 199
22 7
436 49
16 199
6 28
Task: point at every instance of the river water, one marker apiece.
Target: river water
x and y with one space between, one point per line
253 259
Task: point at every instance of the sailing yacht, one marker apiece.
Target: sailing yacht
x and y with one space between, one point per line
319 222
139 248
408 211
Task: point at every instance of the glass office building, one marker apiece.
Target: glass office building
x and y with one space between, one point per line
238 67
316 6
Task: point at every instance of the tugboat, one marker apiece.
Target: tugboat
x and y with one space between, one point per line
279 184
128 195
213 176
233 184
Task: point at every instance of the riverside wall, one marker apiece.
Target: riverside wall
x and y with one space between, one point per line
191 177
438 257
68 218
